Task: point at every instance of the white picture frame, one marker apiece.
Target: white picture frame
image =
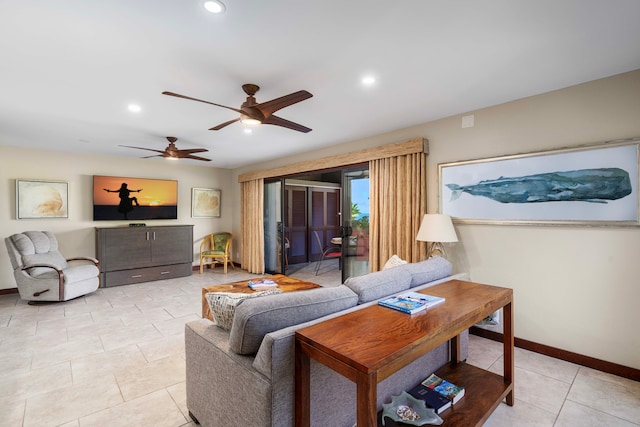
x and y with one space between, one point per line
41 199
205 203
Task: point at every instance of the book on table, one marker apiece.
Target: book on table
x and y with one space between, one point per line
444 387
262 283
411 302
432 398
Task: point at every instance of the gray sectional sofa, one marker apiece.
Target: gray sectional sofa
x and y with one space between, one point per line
245 376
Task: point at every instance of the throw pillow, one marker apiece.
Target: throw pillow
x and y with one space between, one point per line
223 304
394 261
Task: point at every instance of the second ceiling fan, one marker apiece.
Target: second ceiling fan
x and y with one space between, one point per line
173 152
253 112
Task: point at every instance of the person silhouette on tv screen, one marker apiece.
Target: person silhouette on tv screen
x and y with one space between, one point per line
126 202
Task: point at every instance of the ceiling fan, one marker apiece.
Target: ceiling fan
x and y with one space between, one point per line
253 113
172 152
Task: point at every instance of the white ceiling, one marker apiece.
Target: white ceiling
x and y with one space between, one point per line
69 68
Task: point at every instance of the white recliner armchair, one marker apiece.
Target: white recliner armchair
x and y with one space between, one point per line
43 274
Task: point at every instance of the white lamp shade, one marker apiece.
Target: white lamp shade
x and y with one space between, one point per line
437 228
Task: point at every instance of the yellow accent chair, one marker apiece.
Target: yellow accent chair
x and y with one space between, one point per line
217 248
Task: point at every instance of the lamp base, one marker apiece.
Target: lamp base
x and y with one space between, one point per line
436 249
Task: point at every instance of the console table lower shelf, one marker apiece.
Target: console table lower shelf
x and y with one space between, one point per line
484 391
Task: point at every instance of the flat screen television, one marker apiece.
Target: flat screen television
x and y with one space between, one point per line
134 199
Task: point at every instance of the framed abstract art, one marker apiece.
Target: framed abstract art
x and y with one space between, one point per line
205 203
37 199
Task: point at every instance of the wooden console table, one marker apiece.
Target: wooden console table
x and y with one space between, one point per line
369 345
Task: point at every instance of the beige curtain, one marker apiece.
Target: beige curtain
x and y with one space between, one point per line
398 201
251 207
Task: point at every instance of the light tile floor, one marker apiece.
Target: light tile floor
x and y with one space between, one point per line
116 358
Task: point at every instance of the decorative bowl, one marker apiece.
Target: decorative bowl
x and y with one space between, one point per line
409 410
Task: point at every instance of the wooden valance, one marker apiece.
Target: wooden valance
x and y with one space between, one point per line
415 145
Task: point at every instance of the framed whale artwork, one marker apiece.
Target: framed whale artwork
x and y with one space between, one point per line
589 185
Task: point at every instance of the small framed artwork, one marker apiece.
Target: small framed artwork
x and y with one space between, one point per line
205 203
593 185
37 199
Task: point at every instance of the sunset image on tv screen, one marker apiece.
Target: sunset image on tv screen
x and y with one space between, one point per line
126 198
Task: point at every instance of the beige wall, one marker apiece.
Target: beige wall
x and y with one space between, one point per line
76 234
576 288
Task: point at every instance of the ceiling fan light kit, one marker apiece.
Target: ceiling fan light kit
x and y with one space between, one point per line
253 113
246 120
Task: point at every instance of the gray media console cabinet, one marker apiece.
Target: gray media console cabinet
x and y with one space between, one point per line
142 254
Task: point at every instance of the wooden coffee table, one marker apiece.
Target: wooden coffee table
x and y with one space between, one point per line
395 339
285 284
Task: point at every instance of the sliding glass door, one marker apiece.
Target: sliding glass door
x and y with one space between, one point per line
355 221
274 242
336 213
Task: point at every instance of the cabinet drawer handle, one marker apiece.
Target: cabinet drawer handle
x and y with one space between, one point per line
165 272
135 276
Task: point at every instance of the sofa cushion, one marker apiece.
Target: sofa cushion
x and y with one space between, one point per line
256 317
426 271
376 285
223 304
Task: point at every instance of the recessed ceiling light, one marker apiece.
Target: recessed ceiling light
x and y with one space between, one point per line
214 6
134 108
248 131
368 80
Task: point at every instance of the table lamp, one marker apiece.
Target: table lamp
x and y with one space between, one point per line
436 229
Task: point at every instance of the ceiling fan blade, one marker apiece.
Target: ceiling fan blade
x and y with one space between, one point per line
189 156
157 155
200 100
279 121
221 125
270 107
193 151
142 148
